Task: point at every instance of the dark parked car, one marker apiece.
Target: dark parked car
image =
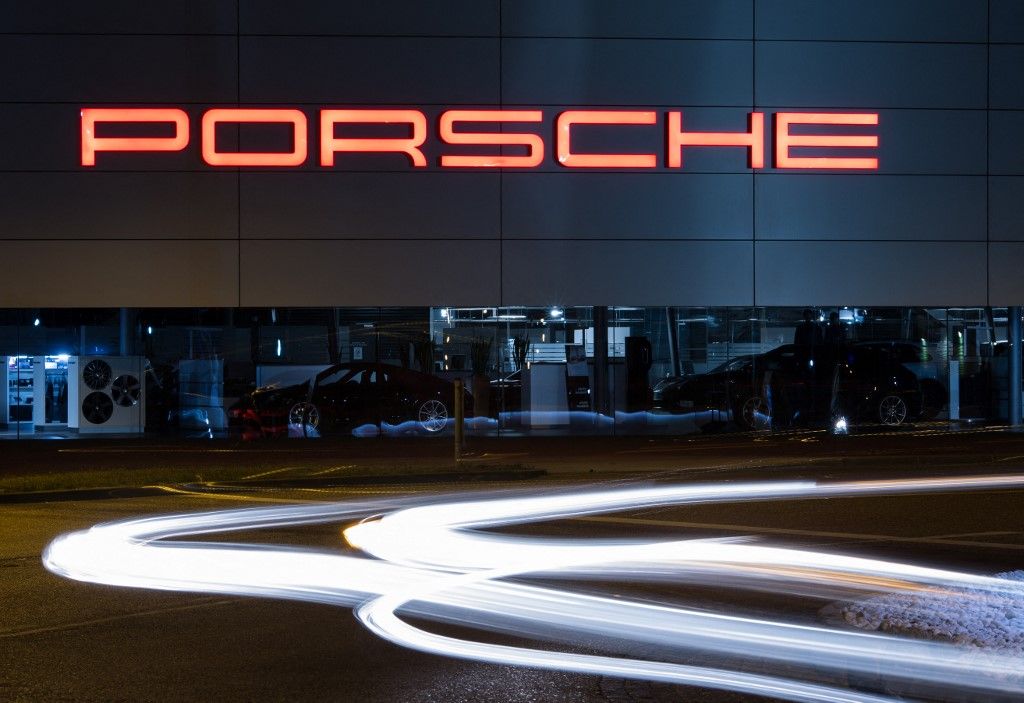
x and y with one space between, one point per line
346 396
791 386
915 358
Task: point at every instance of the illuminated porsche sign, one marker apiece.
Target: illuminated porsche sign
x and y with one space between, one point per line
831 131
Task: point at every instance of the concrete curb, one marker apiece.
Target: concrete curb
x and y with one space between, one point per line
81 494
280 484
386 479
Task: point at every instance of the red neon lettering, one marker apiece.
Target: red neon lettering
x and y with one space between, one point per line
784 140
216 158
677 139
410 146
91 144
564 130
753 139
533 142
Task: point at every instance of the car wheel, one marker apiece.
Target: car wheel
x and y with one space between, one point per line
432 416
304 414
754 413
892 410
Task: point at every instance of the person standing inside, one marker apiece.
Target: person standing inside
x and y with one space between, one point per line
808 333
835 333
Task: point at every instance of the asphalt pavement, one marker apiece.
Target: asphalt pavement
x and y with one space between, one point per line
63 640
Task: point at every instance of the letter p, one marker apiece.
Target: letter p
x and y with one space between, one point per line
91 144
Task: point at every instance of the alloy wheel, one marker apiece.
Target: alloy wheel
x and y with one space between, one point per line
433 416
892 410
755 412
304 414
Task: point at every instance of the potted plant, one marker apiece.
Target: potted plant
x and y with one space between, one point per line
423 349
520 347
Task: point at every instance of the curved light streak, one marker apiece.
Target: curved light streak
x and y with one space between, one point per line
436 559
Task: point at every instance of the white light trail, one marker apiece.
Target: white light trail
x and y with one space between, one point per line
436 560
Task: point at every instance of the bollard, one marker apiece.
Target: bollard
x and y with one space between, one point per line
460 418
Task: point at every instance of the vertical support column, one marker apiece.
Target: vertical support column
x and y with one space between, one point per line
672 323
460 419
122 345
333 351
1014 351
39 394
5 407
601 359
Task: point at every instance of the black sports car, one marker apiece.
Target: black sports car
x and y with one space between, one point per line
791 386
345 397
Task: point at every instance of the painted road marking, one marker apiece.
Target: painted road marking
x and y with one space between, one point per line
271 473
112 618
333 469
751 529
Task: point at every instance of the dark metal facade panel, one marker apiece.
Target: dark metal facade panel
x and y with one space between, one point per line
118 205
1006 20
1006 261
626 206
873 20
119 17
1006 84
569 272
1006 142
1006 209
118 69
871 75
378 70
911 141
370 205
107 273
869 207
644 19
871 273
58 147
380 17
626 72
347 273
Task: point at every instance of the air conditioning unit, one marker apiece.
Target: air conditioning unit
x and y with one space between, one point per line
106 394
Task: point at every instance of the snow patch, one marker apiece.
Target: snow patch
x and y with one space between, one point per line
965 616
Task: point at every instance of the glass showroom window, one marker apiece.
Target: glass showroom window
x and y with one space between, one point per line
264 373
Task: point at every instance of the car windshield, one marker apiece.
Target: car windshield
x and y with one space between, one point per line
335 376
736 364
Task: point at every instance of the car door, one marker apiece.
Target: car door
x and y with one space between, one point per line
342 399
867 381
389 401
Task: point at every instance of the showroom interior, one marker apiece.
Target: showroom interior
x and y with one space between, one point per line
182 372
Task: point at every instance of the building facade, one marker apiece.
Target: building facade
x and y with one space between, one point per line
588 187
